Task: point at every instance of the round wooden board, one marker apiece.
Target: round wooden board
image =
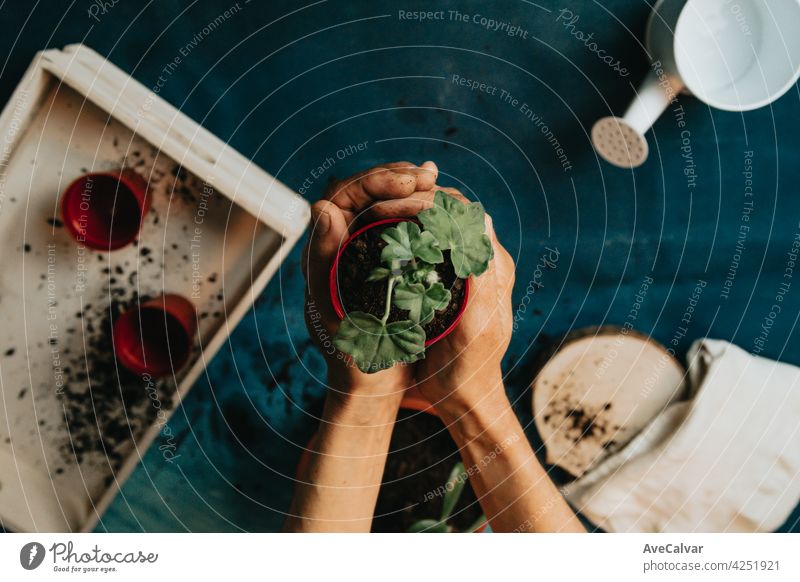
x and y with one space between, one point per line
597 389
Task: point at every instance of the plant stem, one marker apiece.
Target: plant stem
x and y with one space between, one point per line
389 288
476 524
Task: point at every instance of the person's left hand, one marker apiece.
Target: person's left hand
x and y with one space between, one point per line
332 220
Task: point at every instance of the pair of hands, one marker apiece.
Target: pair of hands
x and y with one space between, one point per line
458 368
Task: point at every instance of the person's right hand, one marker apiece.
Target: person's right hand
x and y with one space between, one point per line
463 368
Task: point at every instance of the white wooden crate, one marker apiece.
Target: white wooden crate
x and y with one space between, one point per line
218 229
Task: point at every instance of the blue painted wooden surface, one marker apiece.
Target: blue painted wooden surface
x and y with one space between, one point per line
290 86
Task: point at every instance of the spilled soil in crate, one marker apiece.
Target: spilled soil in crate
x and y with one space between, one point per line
421 457
358 260
106 408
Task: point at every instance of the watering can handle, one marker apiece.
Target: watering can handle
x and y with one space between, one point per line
621 141
654 96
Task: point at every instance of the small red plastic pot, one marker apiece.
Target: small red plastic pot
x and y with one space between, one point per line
105 210
156 337
334 280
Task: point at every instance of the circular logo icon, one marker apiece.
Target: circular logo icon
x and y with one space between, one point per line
31 555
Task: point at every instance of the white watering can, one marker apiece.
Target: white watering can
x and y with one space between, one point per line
734 55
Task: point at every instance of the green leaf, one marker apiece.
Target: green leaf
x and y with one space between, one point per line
419 301
398 244
472 259
375 346
379 274
424 245
428 526
476 525
454 486
410 296
459 228
406 241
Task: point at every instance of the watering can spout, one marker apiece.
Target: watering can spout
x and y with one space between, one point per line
621 141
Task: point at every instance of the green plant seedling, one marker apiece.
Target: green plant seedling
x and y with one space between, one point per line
408 266
453 490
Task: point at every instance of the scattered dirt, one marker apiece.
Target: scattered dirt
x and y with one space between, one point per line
581 422
356 294
106 407
103 409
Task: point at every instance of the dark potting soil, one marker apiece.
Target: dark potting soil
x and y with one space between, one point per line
103 409
106 407
357 294
421 456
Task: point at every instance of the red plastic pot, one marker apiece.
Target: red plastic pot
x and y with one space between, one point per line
334 283
156 337
105 210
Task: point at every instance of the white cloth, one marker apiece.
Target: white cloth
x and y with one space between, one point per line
726 460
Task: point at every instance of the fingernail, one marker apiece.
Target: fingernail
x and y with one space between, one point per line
322 222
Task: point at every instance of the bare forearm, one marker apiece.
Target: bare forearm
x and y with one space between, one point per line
514 490
339 488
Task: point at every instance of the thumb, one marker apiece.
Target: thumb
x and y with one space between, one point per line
328 231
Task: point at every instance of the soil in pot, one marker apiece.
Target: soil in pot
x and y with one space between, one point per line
421 456
358 260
